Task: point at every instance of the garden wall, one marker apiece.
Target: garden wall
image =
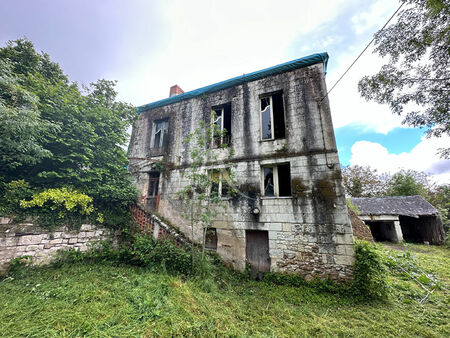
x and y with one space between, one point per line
27 239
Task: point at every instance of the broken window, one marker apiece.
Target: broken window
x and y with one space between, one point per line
276 180
222 121
211 239
220 182
160 134
272 117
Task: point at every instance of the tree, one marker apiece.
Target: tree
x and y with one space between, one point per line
408 183
416 80
22 130
87 148
364 181
201 197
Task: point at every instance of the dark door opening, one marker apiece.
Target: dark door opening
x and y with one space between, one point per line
382 231
153 190
257 251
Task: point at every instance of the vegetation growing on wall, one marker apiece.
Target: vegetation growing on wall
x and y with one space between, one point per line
56 135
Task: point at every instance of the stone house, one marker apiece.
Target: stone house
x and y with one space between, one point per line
290 214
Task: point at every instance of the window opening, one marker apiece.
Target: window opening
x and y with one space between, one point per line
222 120
272 117
160 134
276 180
220 182
153 184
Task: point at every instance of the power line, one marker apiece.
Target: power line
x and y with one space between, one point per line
362 52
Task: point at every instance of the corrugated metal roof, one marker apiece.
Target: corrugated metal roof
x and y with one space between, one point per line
397 205
284 67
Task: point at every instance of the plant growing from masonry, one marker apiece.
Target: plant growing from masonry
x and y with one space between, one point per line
201 203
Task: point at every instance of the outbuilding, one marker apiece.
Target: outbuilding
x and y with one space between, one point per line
399 218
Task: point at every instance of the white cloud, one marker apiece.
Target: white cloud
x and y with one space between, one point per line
207 42
347 105
422 157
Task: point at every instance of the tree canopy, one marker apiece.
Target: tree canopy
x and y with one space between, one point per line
59 135
415 82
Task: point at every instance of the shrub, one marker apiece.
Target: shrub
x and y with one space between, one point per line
369 272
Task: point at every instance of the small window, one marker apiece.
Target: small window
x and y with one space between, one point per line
160 134
220 182
272 117
276 180
153 184
211 239
222 119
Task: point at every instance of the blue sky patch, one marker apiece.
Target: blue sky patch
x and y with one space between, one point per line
397 141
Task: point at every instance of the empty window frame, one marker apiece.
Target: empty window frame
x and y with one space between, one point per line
220 182
211 239
153 183
222 120
276 180
160 136
272 117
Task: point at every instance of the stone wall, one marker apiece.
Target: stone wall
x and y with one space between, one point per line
27 239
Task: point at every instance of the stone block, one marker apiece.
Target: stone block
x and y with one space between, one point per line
86 227
57 234
29 239
344 260
275 226
55 241
286 227
73 240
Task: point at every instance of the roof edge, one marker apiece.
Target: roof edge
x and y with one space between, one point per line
278 69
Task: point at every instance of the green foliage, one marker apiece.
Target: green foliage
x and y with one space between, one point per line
67 137
352 207
415 81
369 272
164 254
13 192
61 206
407 183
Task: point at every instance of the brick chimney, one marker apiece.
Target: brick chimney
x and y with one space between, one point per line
175 90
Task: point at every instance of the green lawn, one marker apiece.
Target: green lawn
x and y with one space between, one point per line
103 300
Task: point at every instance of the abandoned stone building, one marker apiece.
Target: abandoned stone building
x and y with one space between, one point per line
290 214
399 218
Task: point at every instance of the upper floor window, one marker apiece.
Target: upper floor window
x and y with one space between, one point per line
222 121
272 117
160 136
276 180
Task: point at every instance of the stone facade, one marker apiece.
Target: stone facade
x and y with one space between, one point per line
308 231
27 239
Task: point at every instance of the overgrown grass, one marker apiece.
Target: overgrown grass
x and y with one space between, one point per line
102 299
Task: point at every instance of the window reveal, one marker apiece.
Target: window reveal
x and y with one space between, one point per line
276 180
272 117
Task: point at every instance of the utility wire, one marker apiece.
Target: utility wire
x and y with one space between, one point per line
362 52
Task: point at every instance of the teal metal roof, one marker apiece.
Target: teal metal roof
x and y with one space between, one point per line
284 67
